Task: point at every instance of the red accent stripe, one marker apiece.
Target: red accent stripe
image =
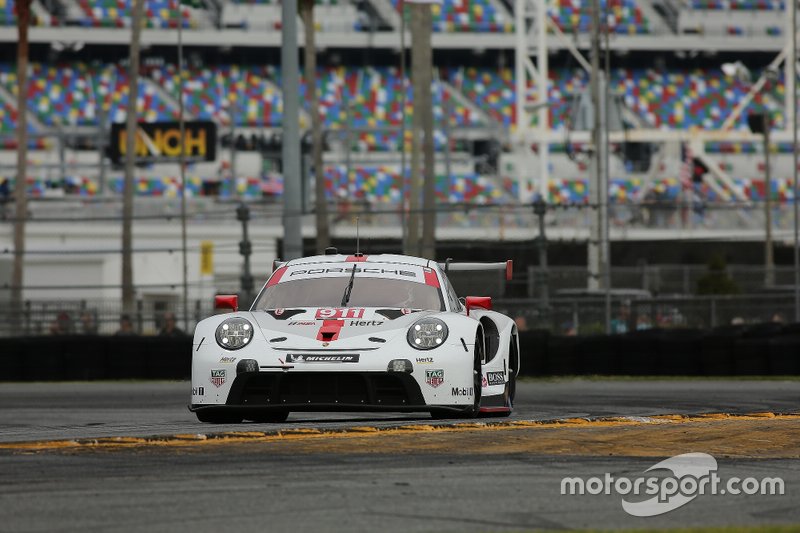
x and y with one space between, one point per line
276 276
495 409
430 278
356 258
330 330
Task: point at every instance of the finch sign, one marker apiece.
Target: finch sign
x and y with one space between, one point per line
161 141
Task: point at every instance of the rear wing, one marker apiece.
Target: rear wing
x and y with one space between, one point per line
508 266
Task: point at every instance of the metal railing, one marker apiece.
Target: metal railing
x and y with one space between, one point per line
581 316
575 315
657 279
623 216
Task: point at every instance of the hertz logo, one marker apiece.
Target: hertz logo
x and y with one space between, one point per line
161 141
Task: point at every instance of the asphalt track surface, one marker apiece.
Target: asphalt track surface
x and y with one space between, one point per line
244 488
45 411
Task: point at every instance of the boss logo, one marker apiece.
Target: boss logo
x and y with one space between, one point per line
495 378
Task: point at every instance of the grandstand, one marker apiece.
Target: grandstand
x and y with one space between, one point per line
477 101
668 80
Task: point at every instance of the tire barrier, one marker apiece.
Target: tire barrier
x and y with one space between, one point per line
767 349
88 357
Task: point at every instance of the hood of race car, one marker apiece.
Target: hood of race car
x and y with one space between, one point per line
316 328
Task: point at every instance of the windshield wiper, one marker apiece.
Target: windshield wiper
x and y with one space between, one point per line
349 289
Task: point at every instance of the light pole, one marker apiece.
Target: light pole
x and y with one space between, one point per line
769 257
245 250
760 123
540 210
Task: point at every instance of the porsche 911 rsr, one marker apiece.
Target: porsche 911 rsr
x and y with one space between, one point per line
355 333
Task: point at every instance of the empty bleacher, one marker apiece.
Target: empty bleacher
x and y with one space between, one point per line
259 15
758 18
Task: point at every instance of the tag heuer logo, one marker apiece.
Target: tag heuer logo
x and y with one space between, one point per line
434 378
218 377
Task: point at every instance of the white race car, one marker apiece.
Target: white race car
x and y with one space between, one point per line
356 333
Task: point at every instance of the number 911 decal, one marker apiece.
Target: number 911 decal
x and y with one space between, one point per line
347 312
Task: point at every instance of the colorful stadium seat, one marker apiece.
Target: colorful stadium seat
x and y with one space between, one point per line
57 94
110 87
8 118
8 15
738 5
383 184
675 99
372 96
468 16
117 13
575 16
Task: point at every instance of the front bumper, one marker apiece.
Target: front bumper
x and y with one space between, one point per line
325 391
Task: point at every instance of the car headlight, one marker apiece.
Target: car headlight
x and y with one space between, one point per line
427 333
234 333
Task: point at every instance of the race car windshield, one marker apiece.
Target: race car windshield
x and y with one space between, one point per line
366 292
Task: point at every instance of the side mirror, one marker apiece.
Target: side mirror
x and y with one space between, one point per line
479 302
226 301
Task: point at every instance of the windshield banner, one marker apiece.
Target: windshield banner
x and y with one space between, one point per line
401 272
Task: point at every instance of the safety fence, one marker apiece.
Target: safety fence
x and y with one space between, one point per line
499 216
658 279
574 315
103 317
630 312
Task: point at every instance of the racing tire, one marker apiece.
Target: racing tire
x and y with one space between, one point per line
273 417
477 385
211 417
513 370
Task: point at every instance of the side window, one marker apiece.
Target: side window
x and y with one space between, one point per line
452 297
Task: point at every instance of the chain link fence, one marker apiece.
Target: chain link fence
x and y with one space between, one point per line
576 315
656 279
